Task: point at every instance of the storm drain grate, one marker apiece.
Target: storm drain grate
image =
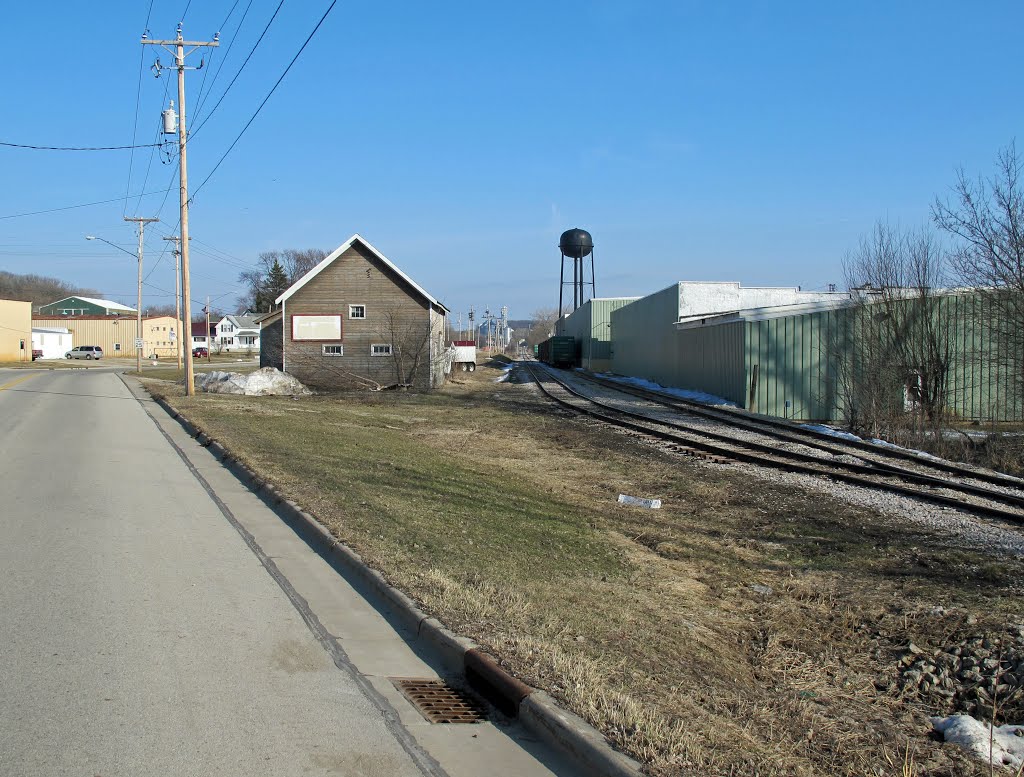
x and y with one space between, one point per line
438 702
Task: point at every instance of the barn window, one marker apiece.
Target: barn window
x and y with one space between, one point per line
333 350
117 346
380 349
357 311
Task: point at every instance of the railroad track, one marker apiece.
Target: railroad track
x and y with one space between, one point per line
792 432
723 447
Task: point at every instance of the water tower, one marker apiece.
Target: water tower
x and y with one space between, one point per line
576 244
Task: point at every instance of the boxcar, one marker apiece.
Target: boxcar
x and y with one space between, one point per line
559 351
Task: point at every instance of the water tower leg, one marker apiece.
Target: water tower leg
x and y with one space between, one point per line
561 285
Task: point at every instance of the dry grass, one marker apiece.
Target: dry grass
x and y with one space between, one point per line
498 514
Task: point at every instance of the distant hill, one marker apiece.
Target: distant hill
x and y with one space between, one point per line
38 289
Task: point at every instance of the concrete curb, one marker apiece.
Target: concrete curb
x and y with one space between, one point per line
536 710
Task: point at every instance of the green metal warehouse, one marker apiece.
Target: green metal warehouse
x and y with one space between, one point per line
791 361
590 325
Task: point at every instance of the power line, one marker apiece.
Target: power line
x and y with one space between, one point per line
159 132
223 60
252 51
265 99
135 122
77 148
201 95
83 205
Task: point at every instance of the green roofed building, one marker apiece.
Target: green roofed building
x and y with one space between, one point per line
85 306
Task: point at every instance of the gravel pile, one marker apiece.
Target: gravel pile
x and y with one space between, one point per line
969 676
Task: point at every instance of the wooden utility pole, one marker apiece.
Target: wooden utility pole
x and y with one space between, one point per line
179 52
177 293
209 345
140 341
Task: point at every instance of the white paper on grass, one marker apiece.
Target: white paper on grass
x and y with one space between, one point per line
636 501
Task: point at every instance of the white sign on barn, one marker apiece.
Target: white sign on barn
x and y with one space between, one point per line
316 327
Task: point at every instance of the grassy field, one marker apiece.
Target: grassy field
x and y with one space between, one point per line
742 629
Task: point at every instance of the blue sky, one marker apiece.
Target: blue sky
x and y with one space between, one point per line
738 141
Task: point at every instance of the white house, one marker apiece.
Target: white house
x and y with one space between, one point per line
54 343
238 334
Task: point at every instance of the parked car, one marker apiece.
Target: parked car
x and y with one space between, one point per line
85 352
200 352
37 353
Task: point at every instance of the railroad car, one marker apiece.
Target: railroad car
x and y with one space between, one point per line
558 351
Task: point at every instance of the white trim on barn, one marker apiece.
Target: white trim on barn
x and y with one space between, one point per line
338 252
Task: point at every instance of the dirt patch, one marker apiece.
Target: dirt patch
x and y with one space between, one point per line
744 628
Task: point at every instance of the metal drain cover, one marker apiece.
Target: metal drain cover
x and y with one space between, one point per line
438 702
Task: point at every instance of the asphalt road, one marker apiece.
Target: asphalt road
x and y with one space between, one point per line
139 634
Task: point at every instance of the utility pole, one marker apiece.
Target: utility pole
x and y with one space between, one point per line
140 341
179 52
177 292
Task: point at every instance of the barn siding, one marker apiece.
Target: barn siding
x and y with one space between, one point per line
396 314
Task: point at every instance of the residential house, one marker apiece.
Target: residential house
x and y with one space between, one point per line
238 334
85 306
357 320
201 338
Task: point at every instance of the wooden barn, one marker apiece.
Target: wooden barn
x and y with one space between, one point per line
356 320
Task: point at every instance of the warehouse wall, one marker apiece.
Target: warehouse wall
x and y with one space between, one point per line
15 331
590 325
710 359
791 368
642 343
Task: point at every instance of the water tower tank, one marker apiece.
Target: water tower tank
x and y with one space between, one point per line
576 243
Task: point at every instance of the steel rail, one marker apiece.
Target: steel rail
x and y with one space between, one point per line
772 457
787 430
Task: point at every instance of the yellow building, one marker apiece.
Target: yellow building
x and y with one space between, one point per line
15 331
116 334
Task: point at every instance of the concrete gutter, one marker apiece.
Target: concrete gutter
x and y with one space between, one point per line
535 709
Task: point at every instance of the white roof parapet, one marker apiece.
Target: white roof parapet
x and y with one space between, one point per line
761 314
338 252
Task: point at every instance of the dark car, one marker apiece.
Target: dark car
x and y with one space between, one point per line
200 352
37 353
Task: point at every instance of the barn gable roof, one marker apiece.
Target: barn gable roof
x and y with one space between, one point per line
342 249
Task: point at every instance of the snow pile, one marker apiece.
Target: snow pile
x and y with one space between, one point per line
505 372
830 431
263 382
1006 743
696 396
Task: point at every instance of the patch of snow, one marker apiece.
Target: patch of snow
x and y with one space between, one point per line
267 381
887 444
505 372
830 431
1005 743
696 396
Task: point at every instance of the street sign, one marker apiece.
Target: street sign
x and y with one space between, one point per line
140 343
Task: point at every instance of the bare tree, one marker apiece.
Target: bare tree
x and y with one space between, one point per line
903 337
986 218
410 339
542 325
262 283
